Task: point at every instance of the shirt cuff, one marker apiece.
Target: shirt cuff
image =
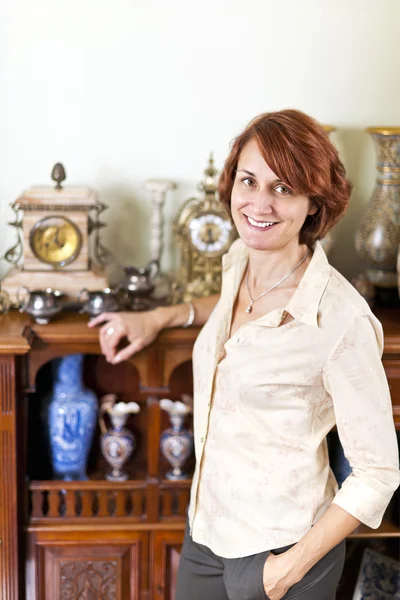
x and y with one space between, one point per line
363 502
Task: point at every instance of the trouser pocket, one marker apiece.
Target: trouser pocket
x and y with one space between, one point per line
243 577
322 579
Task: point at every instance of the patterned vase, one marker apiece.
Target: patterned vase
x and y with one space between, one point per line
176 442
378 238
70 414
118 443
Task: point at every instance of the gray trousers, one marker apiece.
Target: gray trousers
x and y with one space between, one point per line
203 575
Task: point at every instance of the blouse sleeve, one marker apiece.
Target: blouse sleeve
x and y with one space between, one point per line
355 379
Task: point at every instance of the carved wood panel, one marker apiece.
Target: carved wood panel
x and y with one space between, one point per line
88 579
91 570
165 555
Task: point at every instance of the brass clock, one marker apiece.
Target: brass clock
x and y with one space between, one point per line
55 240
210 233
53 226
204 232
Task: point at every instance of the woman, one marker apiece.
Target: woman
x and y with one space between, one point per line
289 349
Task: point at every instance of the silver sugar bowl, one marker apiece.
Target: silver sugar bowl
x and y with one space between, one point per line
42 305
95 302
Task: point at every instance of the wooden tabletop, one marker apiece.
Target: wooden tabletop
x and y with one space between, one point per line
17 331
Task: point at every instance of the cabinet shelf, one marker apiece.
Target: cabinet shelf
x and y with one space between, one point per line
385 530
101 501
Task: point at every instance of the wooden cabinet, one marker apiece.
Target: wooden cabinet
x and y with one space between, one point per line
166 548
94 538
88 564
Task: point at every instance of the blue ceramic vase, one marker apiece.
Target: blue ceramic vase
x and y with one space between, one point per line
70 415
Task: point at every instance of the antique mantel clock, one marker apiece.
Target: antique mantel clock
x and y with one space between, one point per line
204 232
53 226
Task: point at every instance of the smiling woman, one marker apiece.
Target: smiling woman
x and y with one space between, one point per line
288 350
301 161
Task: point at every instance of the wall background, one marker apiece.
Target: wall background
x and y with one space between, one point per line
126 90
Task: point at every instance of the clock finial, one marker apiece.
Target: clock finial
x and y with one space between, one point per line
209 183
58 175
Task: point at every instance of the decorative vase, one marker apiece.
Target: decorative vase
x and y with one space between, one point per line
378 237
118 443
70 414
176 442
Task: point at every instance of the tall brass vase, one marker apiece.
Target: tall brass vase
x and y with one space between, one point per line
378 237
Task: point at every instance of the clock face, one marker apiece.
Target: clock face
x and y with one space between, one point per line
55 240
210 233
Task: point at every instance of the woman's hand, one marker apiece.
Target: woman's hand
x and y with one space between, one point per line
278 576
139 328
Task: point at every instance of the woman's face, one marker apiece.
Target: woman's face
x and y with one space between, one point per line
267 213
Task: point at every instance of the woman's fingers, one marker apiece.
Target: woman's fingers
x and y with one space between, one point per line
100 319
110 335
109 344
128 351
116 326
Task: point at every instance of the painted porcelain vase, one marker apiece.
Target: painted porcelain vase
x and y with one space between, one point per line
176 442
70 414
378 238
118 443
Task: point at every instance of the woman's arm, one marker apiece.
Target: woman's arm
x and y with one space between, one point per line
281 572
141 328
355 379
176 316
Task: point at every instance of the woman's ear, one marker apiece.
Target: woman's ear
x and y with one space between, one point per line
314 208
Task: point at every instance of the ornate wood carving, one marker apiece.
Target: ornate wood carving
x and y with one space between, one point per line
77 501
81 580
108 565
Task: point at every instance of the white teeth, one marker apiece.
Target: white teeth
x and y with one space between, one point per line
261 224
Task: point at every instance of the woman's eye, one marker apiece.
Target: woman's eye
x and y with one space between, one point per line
283 189
248 181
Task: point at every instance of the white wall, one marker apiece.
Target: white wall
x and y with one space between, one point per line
124 90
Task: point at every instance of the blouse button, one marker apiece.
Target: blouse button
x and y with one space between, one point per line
235 339
202 440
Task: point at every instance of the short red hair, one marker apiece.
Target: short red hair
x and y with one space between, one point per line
298 150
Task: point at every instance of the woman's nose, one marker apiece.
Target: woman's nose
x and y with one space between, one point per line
263 203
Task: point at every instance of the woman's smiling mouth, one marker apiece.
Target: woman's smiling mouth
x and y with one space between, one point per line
260 225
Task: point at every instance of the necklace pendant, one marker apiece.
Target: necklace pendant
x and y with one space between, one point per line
249 308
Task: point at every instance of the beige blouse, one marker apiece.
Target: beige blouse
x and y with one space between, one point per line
264 401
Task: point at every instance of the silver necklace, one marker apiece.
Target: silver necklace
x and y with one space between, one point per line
250 306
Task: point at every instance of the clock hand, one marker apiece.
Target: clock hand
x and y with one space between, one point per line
56 239
210 235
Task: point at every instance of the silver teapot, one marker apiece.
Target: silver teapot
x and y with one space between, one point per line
42 305
95 302
138 284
